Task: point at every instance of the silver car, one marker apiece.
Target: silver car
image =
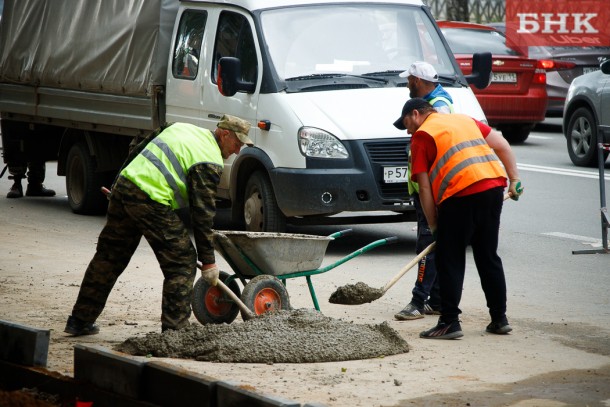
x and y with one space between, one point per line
586 116
562 65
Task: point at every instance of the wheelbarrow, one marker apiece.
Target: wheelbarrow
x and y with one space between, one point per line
262 262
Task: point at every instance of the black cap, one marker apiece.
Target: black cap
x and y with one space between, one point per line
412 104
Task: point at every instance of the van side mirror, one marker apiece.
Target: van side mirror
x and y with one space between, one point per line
229 74
481 70
605 66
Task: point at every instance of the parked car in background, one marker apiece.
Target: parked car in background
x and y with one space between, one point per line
586 117
516 98
562 65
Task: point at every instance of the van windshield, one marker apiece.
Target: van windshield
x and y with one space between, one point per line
323 41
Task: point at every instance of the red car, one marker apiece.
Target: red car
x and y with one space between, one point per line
516 98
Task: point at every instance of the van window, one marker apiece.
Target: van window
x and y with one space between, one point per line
352 39
234 39
187 48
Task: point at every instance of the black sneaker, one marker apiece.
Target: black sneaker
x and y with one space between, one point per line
409 313
428 310
16 191
444 330
76 327
499 327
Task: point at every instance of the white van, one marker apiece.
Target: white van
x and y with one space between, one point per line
318 80
321 81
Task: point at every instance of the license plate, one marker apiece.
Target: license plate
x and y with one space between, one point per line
394 174
504 77
588 69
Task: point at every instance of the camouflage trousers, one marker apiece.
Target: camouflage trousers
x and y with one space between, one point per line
35 172
131 215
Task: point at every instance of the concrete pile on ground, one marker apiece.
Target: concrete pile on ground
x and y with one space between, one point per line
296 336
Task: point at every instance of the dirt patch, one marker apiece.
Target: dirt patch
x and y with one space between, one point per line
28 398
297 336
355 294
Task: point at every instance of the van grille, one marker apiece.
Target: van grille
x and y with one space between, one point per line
388 153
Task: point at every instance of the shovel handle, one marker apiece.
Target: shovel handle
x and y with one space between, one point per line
409 266
246 312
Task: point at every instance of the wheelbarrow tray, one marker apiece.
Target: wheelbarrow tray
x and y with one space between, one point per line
272 253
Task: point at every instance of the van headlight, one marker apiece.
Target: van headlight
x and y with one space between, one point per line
318 143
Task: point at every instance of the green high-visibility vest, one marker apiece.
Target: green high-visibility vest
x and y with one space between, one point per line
161 167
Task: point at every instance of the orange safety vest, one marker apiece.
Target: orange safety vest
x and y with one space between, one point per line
463 157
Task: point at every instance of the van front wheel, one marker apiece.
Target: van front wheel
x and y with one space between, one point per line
261 213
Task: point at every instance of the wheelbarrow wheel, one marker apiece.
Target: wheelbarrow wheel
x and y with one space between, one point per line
265 293
210 305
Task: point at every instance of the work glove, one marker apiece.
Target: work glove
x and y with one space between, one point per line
210 275
515 190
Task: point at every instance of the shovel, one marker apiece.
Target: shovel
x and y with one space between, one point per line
360 293
408 267
246 313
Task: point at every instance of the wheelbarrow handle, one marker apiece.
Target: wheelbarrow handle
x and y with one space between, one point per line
391 240
246 312
341 233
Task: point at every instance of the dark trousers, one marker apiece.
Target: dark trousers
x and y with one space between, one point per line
471 220
35 172
131 215
426 284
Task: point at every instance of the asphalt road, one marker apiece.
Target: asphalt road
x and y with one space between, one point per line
558 215
555 297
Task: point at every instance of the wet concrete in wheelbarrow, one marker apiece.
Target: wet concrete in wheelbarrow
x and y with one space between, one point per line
355 294
296 336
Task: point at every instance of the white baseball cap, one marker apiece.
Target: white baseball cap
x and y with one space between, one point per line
422 70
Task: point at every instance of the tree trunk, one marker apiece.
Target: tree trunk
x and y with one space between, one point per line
457 10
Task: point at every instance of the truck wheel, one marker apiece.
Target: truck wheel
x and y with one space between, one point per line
581 137
265 293
261 213
516 133
83 183
211 305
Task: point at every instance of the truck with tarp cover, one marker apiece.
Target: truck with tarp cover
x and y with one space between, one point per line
79 80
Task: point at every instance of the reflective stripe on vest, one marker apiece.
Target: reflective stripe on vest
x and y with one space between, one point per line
171 181
444 99
161 167
463 156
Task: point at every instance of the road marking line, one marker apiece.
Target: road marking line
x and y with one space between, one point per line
541 137
562 171
583 239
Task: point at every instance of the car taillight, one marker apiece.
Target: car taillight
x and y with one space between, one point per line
553 65
539 73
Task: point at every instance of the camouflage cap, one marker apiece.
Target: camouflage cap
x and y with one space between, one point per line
239 126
